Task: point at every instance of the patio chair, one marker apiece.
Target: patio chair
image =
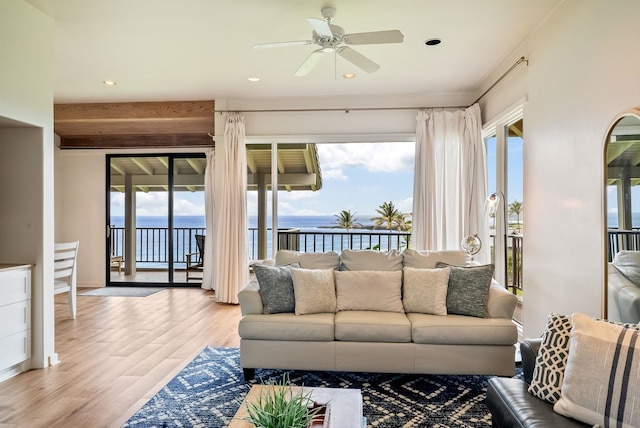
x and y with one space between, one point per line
195 260
64 275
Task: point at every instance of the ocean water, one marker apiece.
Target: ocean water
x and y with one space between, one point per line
193 221
153 251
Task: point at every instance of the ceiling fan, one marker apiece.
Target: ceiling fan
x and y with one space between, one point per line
332 39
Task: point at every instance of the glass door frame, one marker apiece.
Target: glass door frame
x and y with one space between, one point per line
171 157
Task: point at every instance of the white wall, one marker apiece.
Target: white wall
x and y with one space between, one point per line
583 71
81 206
26 159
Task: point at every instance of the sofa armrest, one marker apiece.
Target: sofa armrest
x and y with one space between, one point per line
529 351
624 297
249 298
501 302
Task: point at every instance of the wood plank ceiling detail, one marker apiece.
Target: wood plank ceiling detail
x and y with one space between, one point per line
135 124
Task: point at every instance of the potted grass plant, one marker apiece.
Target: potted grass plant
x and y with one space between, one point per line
281 406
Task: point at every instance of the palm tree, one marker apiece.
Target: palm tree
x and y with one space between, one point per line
387 215
346 220
402 222
515 207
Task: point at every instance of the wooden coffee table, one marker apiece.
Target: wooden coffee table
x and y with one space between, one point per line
345 405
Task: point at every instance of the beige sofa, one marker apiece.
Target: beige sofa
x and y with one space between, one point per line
389 340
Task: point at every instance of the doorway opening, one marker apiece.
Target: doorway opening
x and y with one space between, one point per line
155 219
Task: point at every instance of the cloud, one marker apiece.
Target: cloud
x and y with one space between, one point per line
374 157
404 205
333 174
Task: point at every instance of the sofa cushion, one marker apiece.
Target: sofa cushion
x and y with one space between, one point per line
276 288
602 378
314 327
369 291
461 330
315 290
428 259
468 291
551 359
368 326
370 260
425 290
327 260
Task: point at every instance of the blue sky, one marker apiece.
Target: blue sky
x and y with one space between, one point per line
357 177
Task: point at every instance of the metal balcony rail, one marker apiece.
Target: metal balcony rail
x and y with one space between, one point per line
152 244
620 240
152 248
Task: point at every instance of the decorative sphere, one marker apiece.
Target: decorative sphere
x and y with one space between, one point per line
471 244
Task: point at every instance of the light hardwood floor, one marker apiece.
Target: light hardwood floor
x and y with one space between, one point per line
115 356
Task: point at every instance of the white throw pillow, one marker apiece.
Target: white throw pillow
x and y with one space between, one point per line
425 290
314 290
369 291
602 378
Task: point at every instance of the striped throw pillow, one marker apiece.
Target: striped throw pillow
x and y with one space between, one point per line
602 378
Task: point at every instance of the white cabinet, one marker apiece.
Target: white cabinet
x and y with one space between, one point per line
15 319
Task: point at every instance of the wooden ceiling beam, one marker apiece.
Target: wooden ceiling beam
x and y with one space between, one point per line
157 124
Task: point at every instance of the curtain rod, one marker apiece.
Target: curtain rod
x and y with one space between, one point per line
348 109
505 74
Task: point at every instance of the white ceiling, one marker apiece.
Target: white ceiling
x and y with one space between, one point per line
164 50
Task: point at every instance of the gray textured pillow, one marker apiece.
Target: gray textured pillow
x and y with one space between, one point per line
369 291
327 260
429 259
276 288
425 290
468 291
371 260
315 291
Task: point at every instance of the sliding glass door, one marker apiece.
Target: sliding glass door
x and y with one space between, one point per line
155 219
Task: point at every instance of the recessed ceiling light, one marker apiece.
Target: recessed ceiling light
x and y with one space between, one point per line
109 82
253 79
433 42
349 75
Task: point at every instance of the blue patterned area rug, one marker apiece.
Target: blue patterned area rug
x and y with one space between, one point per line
210 389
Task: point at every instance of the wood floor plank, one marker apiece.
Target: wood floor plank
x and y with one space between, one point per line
115 356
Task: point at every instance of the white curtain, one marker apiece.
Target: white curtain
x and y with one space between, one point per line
230 241
209 210
450 181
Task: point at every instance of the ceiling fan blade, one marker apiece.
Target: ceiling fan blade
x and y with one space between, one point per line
309 63
320 26
282 44
358 59
374 37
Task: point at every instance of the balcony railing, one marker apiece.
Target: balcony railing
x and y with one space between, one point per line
152 245
620 240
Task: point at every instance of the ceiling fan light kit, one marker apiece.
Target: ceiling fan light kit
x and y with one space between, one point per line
332 39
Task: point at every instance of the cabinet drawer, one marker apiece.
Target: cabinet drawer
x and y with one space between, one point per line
15 286
15 318
15 349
